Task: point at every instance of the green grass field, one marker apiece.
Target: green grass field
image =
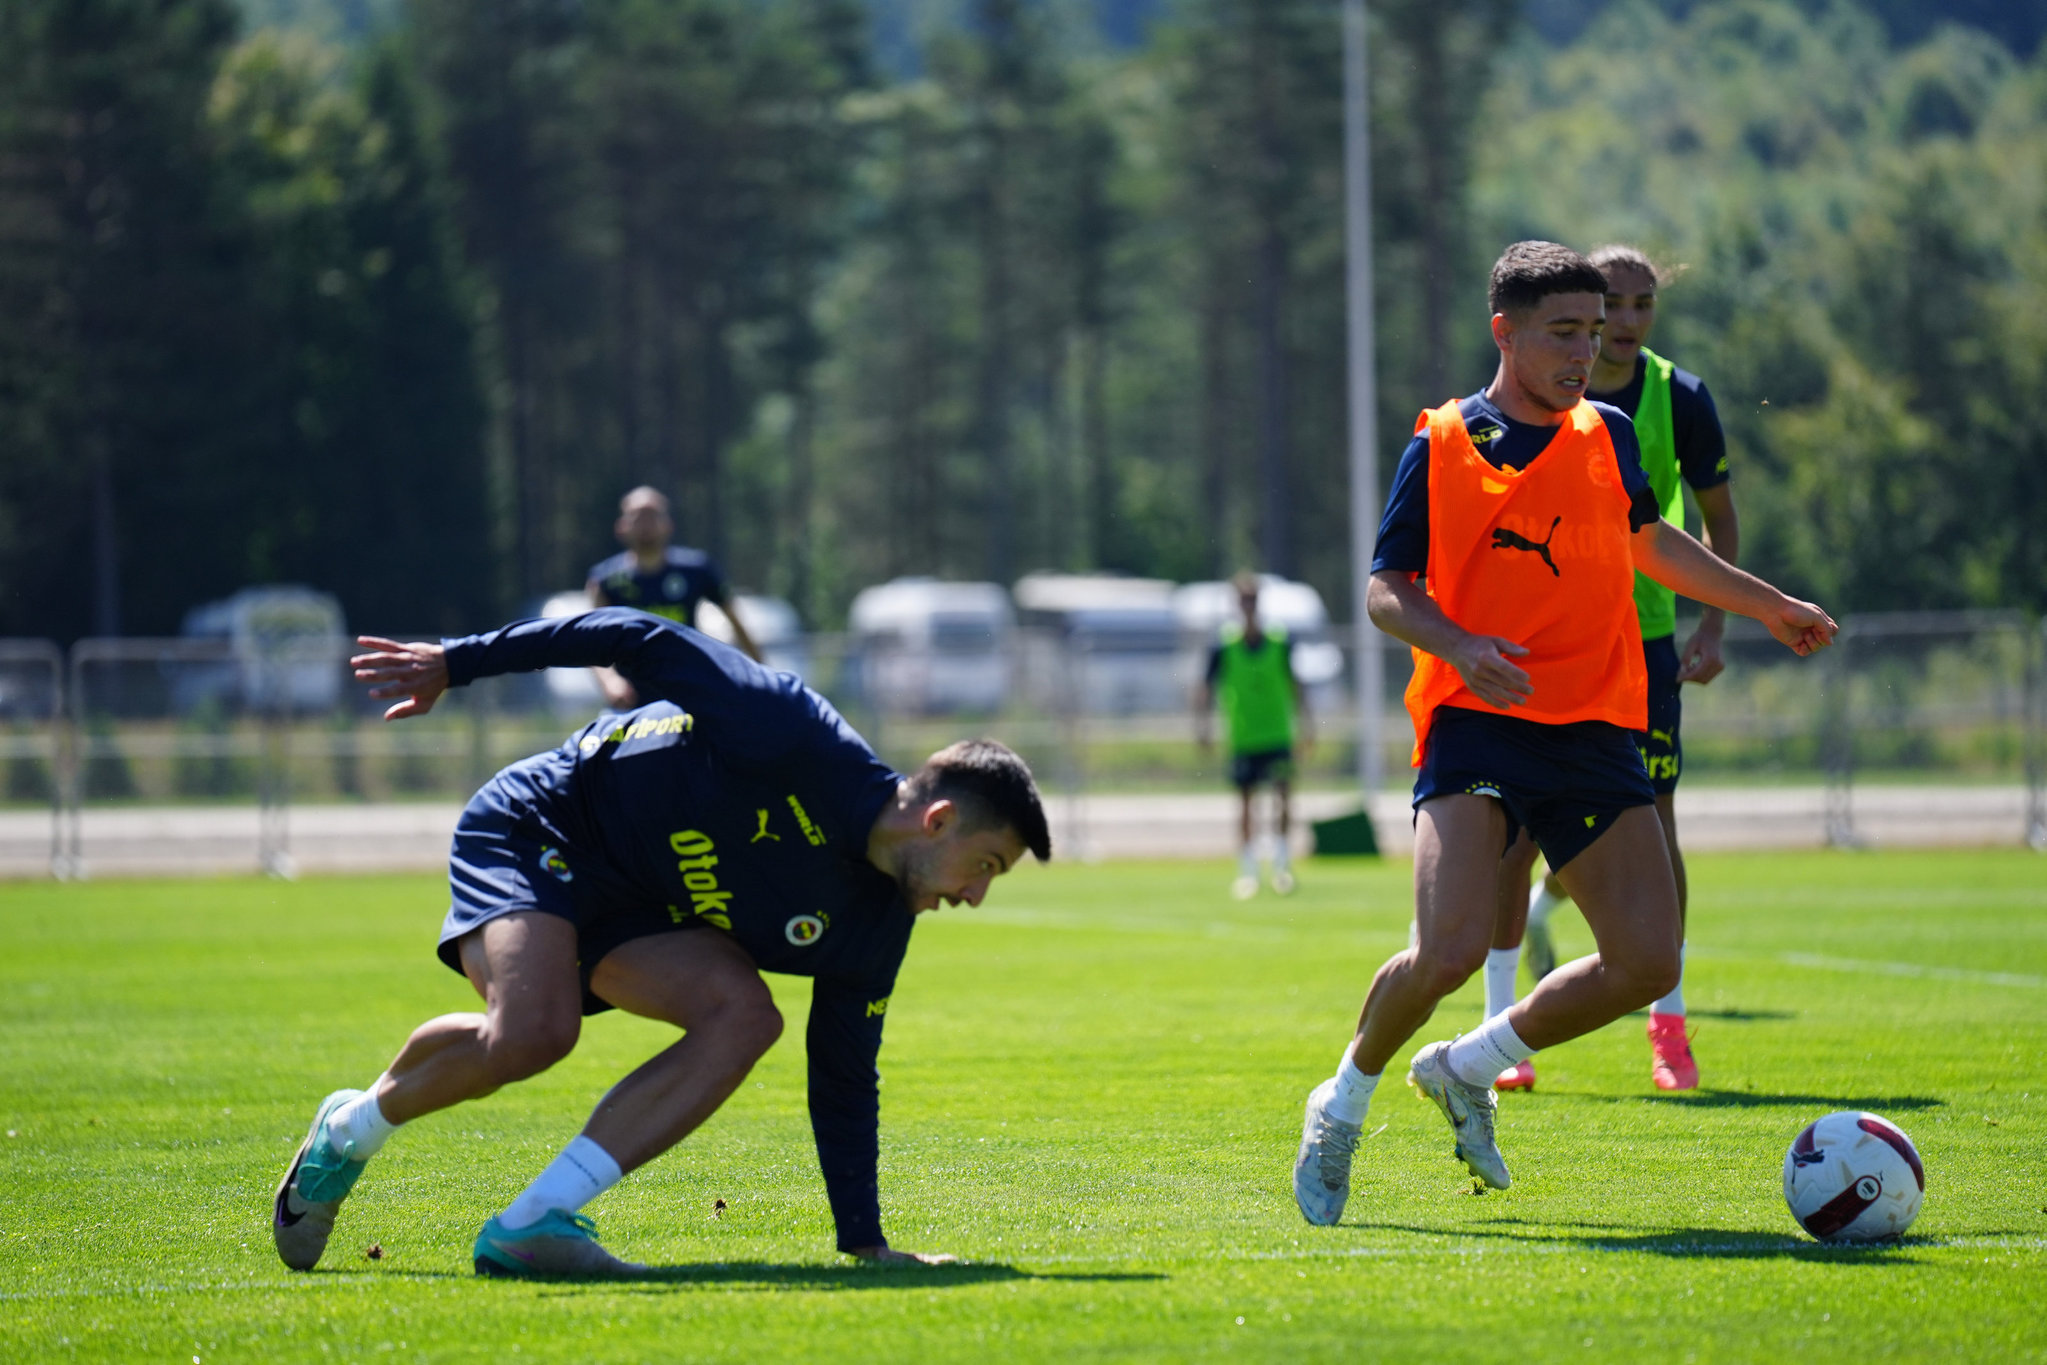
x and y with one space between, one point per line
1092 1096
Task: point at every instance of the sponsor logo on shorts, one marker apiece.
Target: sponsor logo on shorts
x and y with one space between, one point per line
696 863
1483 789
803 930
876 1008
804 822
552 860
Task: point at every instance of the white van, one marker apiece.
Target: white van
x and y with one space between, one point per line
925 646
289 646
1102 642
1203 609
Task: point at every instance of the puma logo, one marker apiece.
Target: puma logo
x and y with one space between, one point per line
1663 735
763 832
1503 539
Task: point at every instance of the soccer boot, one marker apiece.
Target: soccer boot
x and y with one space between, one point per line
1282 881
1538 950
561 1245
1322 1170
1470 1109
314 1185
1520 1076
1673 1067
1244 887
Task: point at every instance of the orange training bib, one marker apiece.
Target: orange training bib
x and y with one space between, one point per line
1539 556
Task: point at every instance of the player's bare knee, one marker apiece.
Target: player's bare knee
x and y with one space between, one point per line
524 1047
1442 968
755 1023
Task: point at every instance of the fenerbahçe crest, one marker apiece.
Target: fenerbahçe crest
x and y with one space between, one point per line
551 859
803 930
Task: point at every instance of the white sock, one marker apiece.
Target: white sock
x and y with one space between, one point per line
1674 1003
1541 902
1247 861
1482 1054
1353 1097
361 1123
581 1173
1499 978
1279 853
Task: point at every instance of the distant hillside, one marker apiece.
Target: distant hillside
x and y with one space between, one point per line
2019 24
901 27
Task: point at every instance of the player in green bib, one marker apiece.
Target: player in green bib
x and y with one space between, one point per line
1682 447
1251 674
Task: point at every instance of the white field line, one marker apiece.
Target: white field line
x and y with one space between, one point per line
1559 1247
1022 916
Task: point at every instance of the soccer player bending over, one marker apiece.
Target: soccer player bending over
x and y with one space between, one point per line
1507 559
658 863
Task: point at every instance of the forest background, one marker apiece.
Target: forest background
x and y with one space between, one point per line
396 297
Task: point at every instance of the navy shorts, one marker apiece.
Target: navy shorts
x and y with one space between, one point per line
497 867
1661 744
1267 765
1564 784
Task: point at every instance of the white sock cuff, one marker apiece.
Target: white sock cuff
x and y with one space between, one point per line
1500 965
1353 1097
595 1161
358 1127
1481 1055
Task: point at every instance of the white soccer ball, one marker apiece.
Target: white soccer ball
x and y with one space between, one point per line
1853 1177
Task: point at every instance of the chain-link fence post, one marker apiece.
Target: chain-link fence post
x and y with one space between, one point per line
1837 742
2036 740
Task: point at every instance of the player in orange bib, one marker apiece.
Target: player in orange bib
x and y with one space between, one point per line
1507 556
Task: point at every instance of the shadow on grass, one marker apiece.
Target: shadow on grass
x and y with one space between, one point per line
1681 1243
1761 1099
776 1275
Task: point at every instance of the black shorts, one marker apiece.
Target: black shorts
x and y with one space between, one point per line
1661 744
1564 784
1267 765
499 868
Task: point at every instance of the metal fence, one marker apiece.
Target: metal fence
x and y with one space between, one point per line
190 742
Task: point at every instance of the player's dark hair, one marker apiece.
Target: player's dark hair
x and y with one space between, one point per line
1605 258
1529 272
992 787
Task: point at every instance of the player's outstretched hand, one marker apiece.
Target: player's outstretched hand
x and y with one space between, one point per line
1483 662
1801 627
417 672
1701 660
887 1255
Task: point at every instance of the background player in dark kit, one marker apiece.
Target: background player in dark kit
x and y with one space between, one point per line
669 581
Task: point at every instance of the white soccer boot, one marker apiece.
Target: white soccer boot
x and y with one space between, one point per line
1470 1109
1322 1170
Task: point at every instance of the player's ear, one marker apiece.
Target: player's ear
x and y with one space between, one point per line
1503 331
938 816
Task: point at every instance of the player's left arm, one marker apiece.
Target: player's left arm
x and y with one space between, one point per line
1700 660
662 661
1680 563
843 1039
1304 719
740 636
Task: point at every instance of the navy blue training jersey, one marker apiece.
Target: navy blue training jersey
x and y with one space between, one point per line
1403 545
740 798
685 579
1694 423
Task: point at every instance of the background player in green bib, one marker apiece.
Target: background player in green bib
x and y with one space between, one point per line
1251 673
1682 447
